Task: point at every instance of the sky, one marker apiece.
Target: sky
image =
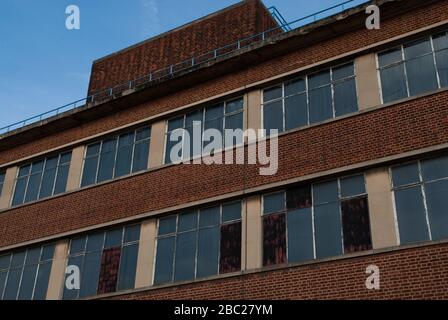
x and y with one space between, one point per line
43 65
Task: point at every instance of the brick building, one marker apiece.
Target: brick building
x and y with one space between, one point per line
362 175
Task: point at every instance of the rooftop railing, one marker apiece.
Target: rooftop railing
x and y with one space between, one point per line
175 69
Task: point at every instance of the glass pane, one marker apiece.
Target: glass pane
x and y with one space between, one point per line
390 57
73 293
90 274
319 79
345 98
295 86
299 198
170 145
46 189
274 239
93 149
356 225
132 234
4 262
19 192
37 167
113 238
12 285
107 161
27 282
192 117
143 133
321 107
176 123
296 111
18 259
164 260
231 211
47 253
437 202
3 276
78 245
2 177
128 267
327 222
417 49
406 174
209 217
32 190
110 264
272 93
344 71
441 41
273 116
167 225
141 155
61 180
124 160
24 170
393 83
185 256
95 242
325 192
435 169
230 248
352 186
274 202
187 221
43 278
89 172
33 256
208 252
235 105
65 158
421 75
300 235
234 121
214 112
411 215
442 67
235 137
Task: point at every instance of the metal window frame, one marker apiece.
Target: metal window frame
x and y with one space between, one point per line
2 181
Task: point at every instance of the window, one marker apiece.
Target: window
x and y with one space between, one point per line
2 180
24 275
420 191
116 157
311 99
414 68
227 115
199 244
107 261
42 179
316 221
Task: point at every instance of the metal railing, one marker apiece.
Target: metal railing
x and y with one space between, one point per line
175 69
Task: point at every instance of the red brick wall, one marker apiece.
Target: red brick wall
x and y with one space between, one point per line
417 273
324 50
388 131
227 27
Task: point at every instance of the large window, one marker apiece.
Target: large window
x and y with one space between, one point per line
107 261
199 244
226 115
311 99
116 157
42 179
414 68
2 180
316 221
24 275
421 200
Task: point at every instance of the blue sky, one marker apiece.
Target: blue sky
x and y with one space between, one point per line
43 65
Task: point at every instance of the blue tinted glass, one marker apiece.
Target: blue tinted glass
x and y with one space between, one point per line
208 252
417 49
167 225
48 179
441 41
390 57
47 253
272 93
19 192
90 274
231 211
95 242
93 149
164 260
33 256
12 285
78 245
195 116
328 228
319 79
209 217
37 167
320 104
107 160
422 76
344 71
345 97
393 83
73 261
274 203
442 67
128 267
61 180
185 256
3 276
214 112
435 169
187 221
89 172
352 186
24 170
294 87
143 133
141 154
235 105
273 116
437 203
296 111
32 190
113 238
325 192
300 235
65 158
124 161
132 233
18 258
4 262
406 174
176 123
27 282
43 278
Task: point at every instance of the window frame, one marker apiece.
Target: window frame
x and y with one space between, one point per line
307 91
312 186
98 155
403 61
196 230
203 112
2 181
